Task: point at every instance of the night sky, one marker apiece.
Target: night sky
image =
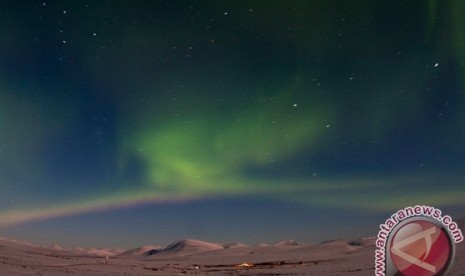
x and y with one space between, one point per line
125 123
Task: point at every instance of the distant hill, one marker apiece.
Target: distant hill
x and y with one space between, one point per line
185 247
144 250
287 243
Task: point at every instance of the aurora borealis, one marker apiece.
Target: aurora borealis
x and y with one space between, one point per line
116 110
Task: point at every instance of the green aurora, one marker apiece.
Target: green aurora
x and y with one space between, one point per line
357 105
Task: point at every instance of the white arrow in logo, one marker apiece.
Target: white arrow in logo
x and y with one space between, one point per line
426 235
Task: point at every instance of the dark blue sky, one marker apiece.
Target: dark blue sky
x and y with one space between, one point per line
179 117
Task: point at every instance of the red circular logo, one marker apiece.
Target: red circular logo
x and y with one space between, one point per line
421 248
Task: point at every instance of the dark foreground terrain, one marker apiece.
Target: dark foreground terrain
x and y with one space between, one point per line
192 257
